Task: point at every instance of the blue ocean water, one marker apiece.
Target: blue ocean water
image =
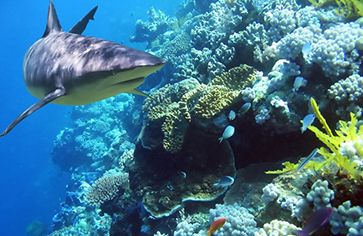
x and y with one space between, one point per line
31 185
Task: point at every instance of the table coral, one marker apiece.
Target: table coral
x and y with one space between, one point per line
106 188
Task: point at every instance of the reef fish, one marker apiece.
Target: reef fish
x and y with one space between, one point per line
227 133
216 225
231 115
307 159
318 219
306 50
306 122
71 69
299 82
245 108
224 182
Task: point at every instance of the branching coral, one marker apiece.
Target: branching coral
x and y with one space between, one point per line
239 220
277 228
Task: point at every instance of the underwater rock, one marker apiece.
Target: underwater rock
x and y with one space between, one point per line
155 174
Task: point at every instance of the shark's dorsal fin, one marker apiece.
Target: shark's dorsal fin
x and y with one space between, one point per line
52 22
82 24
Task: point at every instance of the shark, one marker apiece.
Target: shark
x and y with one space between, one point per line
71 69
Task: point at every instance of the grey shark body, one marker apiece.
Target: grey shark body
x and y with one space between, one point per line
71 69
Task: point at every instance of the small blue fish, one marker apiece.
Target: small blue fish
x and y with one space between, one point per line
232 115
318 219
307 159
306 49
307 121
224 182
183 174
299 82
245 108
227 133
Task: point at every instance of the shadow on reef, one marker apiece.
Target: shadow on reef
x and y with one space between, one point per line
164 181
259 143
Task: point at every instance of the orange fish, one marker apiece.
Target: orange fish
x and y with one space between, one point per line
216 225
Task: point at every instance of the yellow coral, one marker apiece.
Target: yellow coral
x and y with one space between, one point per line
224 91
320 3
288 166
335 155
176 105
347 8
347 133
215 99
320 117
350 8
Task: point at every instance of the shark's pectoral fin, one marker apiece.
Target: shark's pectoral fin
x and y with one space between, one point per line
82 24
47 99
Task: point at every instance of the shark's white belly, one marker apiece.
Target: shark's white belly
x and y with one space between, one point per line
97 89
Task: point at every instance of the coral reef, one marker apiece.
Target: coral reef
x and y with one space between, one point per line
157 24
96 141
224 56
